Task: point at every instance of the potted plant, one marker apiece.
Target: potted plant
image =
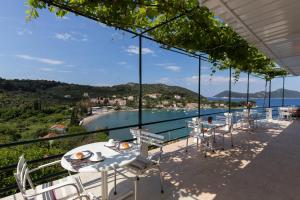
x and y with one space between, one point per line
209 119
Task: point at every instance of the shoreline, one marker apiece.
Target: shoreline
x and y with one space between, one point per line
90 119
85 121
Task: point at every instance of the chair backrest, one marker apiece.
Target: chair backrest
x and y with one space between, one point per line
22 175
228 121
196 125
144 136
145 139
196 119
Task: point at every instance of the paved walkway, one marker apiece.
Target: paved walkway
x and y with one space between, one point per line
264 165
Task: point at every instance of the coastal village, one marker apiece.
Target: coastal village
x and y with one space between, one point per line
100 106
150 101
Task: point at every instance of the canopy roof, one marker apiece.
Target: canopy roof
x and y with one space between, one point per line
270 25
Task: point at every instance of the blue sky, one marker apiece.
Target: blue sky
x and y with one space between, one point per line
77 50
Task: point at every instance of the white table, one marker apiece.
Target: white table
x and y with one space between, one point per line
213 126
113 159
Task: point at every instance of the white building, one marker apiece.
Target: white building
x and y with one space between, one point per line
67 96
120 102
178 97
191 105
153 96
130 98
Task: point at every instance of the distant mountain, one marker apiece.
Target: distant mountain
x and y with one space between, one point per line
274 94
58 90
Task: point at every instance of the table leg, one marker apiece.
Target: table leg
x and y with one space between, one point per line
104 185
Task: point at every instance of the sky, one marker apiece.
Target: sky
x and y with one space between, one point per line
74 49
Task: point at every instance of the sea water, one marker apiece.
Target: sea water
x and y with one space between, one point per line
124 118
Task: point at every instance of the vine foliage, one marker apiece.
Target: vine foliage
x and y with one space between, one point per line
193 28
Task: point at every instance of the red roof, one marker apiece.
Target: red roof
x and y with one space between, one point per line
60 126
50 135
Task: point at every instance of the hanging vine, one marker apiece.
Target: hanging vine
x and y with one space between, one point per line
197 30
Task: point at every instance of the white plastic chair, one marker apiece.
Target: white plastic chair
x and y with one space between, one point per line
227 129
144 163
280 113
71 186
205 139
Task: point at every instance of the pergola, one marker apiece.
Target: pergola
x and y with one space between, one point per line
199 56
143 35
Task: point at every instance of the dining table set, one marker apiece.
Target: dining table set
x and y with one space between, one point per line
247 119
101 157
116 156
204 132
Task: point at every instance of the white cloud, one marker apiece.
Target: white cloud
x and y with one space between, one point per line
65 18
74 36
206 79
191 80
122 63
46 69
214 80
64 71
169 66
173 68
164 80
24 32
41 60
102 24
63 36
164 64
117 36
132 49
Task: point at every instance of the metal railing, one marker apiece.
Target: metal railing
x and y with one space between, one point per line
12 167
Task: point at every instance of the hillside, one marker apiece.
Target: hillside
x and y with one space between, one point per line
57 90
274 94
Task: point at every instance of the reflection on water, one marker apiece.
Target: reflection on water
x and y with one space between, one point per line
124 118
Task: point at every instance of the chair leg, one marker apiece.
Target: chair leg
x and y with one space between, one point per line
231 138
205 149
161 180
197 143
223 141
214 133
187 144
136 189
115 182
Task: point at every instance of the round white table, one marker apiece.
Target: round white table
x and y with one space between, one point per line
112 159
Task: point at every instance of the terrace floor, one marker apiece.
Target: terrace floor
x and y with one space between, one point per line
263 165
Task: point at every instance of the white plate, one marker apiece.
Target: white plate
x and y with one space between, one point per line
95 160
109 145
86 154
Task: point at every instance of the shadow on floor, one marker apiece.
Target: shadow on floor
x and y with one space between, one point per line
263 165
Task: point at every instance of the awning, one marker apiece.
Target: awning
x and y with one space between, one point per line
270 25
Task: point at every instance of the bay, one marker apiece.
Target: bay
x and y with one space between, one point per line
124 118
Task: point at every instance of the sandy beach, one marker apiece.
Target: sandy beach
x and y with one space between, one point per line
93 117
98 114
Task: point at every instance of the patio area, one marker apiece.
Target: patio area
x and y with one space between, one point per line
262 165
